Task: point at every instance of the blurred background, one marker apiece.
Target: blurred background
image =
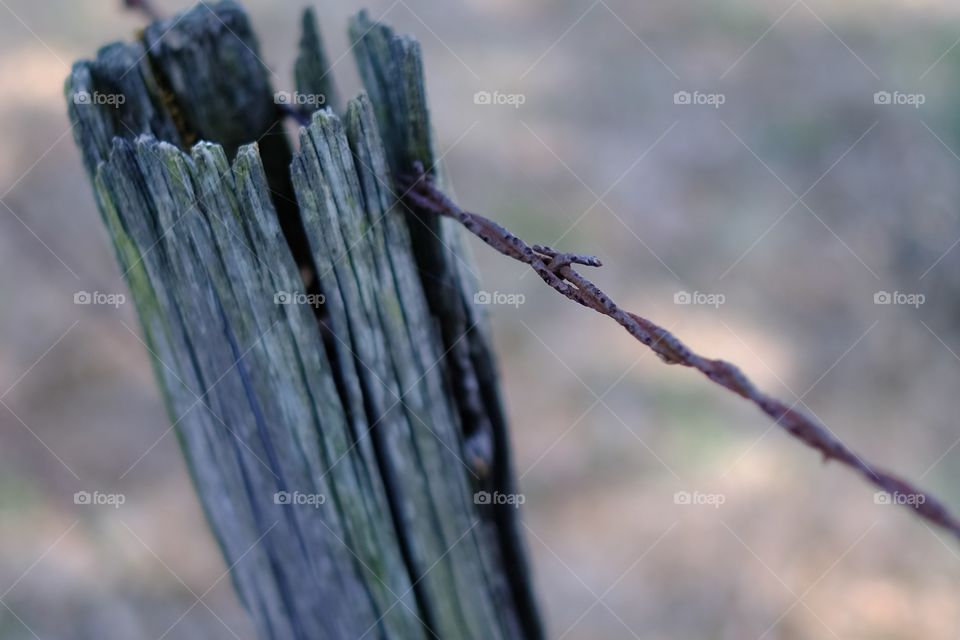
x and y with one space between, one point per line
780 162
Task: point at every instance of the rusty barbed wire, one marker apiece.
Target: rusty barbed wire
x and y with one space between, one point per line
556 269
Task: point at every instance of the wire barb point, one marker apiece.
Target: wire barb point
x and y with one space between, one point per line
557 270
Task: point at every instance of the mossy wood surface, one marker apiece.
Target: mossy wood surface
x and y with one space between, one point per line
329 378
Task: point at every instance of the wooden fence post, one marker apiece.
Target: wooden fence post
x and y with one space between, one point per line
329 378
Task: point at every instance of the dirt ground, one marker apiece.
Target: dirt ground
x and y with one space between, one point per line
783 163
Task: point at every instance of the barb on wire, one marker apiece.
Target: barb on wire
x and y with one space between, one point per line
557 270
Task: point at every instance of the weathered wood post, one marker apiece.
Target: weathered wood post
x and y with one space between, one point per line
329 378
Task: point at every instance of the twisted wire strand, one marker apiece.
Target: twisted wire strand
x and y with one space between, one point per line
557 270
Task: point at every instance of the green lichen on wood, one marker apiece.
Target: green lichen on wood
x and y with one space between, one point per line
367 399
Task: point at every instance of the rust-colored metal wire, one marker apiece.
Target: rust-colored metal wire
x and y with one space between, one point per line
556 269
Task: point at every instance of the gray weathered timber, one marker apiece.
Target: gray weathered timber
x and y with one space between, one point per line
311 72
328 378
392 70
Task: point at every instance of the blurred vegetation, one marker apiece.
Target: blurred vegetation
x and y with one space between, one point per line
599 476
